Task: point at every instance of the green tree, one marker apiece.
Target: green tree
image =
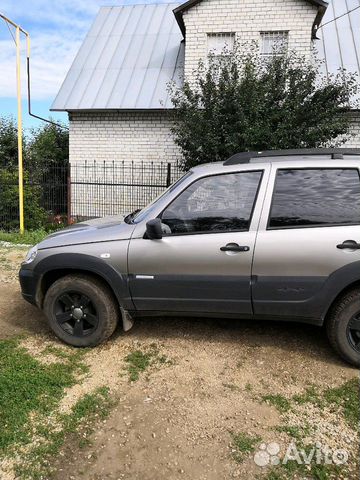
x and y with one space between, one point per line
48 147
243 102
8 142
35 215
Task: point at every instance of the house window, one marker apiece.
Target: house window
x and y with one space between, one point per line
274 43
220 44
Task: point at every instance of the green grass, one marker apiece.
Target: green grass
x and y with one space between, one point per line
311 395
139 361
36 464
346 397
27 385
278 401
28 237
243 444
30 393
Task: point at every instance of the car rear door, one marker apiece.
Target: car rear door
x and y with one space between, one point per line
308 240
204 262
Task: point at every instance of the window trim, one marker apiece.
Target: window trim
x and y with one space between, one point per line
209 232
263 33
317 225
231 35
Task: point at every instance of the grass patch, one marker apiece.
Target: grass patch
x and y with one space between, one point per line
36 464
28 237
139 361
281 403
311 395
295 432
242 444
28 386
346 397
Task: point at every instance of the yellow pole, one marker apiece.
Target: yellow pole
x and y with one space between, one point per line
20 155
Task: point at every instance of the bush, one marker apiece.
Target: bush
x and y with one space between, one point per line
241 102
35 215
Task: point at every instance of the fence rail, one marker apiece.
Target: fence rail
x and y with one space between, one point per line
60 195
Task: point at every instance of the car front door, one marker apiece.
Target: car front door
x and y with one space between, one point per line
203 262
307 247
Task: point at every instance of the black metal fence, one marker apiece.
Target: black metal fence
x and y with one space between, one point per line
56 196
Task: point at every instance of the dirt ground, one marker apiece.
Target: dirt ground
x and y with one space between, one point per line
176 421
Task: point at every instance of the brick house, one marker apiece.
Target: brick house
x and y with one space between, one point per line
116 90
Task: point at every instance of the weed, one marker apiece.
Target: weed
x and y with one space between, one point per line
243 444
347 398
278 401
138 361
27 238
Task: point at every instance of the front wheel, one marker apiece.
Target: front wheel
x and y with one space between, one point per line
81 310
343 327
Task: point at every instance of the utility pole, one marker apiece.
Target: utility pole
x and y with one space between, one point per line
19 115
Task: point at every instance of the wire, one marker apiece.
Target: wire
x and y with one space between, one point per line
29 100
11 33
336 18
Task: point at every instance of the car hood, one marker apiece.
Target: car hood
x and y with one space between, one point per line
91 231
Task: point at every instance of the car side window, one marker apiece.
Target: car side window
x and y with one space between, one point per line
218 203
315 197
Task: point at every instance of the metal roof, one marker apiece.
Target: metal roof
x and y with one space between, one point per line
339 43
126 61
132 52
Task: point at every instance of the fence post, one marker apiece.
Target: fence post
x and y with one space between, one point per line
68 193
168 175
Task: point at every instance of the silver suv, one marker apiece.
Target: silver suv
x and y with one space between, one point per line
266 235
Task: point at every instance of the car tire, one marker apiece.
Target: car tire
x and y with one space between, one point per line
81 310
341 317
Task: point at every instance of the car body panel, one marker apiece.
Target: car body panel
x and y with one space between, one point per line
188 272
287 273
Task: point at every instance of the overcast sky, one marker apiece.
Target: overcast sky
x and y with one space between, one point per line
57 29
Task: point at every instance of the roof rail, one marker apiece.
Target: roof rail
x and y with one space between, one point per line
246 157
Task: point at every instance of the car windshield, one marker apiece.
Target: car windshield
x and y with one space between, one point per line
139 215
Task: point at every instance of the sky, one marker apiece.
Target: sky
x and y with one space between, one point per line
56 29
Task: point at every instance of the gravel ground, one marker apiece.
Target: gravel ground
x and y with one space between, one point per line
177 420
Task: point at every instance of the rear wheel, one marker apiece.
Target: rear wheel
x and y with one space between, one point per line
343 327
81 310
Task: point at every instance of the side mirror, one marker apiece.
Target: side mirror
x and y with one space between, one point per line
154 229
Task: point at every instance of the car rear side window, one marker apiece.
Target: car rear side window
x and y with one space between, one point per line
218 203
315 197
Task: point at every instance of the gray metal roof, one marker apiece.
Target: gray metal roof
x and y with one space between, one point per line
126 61
339 43
132 52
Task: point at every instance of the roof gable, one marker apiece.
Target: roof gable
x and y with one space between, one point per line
178 12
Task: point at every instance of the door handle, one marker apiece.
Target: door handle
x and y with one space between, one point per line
349 244
234 247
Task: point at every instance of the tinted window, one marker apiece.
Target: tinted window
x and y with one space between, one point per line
316 197
214 204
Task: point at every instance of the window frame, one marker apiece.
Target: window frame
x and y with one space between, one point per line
263 33
221 54
210 232
298 227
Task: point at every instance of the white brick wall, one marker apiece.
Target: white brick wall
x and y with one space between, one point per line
246 18
354 142
138 136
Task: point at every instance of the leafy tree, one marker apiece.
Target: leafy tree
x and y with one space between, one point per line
35 216
48 146
243 102
9 142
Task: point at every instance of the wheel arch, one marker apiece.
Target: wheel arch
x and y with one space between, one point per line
344 291
57 266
